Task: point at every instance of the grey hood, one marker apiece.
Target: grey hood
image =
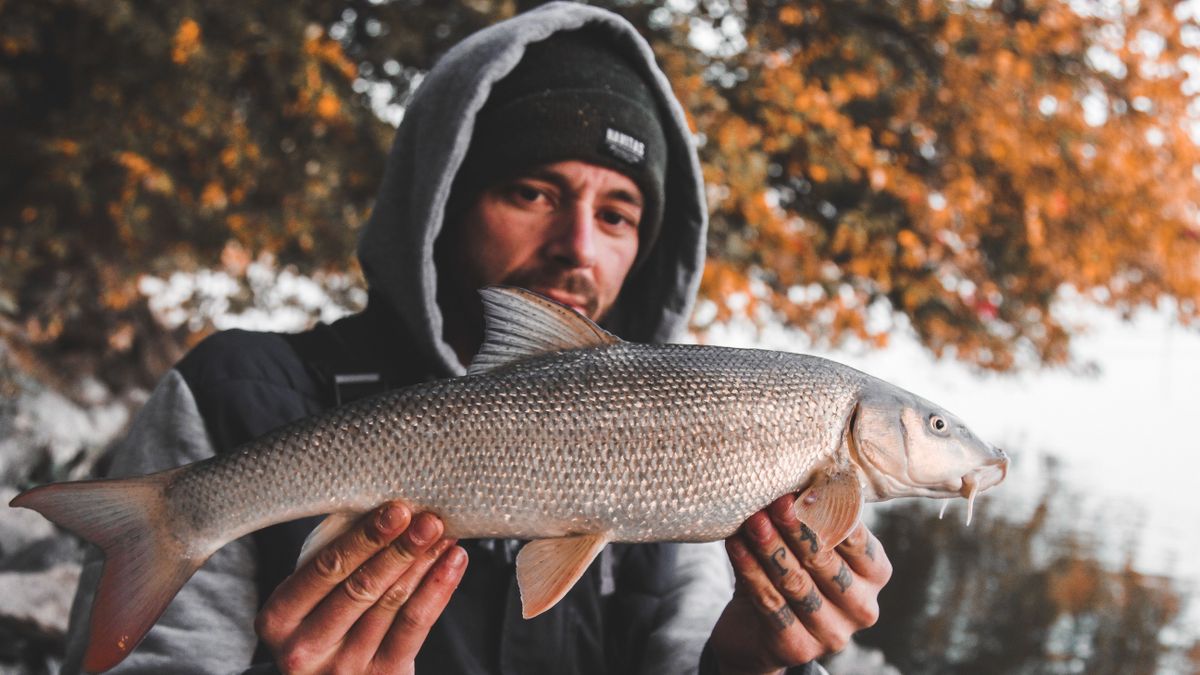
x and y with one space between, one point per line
396 245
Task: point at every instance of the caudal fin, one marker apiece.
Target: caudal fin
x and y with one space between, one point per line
144 563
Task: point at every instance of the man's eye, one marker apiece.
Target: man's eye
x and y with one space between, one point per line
526 193
615 218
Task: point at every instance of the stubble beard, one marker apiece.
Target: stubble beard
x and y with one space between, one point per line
572 282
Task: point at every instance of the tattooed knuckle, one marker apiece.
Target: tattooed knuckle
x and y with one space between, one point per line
843 578
779 559
808 540
809 604
782 617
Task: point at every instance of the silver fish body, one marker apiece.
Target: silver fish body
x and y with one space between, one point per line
649 443
561 434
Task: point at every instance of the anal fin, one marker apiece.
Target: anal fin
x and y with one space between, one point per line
328 530
548 568
831 506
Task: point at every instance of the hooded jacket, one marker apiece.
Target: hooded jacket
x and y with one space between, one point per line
396 247
645 608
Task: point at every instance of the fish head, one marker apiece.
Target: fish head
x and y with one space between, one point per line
908 447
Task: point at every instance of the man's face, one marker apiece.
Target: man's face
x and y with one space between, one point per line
567 230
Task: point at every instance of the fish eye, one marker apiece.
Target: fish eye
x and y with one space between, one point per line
938 424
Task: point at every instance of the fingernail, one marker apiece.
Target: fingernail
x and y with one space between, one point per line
736 548
785 510
758 527
425 529
456 558
392 517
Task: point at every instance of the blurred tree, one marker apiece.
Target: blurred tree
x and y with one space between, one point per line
149 137
951 165
955 163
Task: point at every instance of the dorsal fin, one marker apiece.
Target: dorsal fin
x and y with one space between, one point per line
519 324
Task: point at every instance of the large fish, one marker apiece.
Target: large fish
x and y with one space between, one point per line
560 433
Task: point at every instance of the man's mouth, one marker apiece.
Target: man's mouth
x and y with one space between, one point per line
574 302
574 290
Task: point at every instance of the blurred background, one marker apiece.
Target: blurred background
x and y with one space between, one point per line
995 204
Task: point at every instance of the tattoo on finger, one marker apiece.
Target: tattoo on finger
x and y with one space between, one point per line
782 617
811 537
810 603
843 578
778 557
871 548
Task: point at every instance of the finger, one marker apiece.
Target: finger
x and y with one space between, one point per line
756 585
417 616
370 630
865 555
342 608
794 583
855 599
293 599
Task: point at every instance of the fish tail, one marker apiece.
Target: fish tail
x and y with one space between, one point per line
145 563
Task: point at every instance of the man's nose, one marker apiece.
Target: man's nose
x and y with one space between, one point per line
574 239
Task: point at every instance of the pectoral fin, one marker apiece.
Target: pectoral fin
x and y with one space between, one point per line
328 530
831 506
548 568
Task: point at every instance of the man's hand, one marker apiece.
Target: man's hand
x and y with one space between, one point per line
792 604
366 602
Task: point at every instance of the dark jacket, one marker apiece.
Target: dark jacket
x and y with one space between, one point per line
601 626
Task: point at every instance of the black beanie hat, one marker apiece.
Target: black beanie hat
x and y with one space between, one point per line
572 97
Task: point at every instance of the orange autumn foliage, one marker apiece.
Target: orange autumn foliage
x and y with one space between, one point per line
957 163
951 165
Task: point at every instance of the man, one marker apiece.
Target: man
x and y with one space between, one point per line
546 152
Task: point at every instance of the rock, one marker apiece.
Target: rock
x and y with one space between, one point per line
44 554
40 425
19 527
38 604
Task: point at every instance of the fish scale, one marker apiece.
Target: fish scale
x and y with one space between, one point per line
542 440
560 434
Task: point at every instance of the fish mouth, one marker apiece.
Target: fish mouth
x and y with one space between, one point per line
983 478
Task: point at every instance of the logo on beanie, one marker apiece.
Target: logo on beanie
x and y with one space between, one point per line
624 147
